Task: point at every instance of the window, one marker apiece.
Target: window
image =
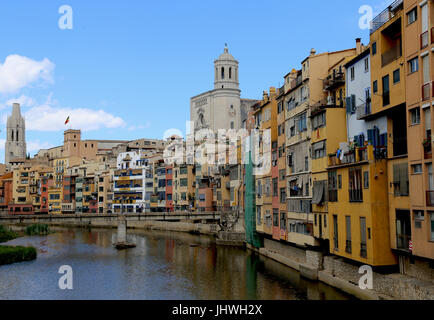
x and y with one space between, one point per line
413 65
374 48
275 217
432 226
367 65
348 231
282 195
400 179
319 150
363 248
319 121
415 116
396 76
355 185
258 215
275 188
412 16
375 86
386 91
301 122
416 168
335 232
333 186
366 180
353 73
306 164
340 181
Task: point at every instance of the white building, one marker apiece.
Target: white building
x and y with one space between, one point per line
133 183
222 107
359 120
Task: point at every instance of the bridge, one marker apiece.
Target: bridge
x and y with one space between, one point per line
98 219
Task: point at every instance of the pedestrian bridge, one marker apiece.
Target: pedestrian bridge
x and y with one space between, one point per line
107 218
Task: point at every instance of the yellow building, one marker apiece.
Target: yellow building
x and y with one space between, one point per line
388 70
328 123
266 121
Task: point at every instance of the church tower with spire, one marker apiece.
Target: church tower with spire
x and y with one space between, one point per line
16 136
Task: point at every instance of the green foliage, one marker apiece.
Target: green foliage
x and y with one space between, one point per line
10 254
6 234
37 230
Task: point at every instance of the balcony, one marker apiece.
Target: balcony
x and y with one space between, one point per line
326 103
363 110
426 91
391 55
385 16
424 40
333 81
430 198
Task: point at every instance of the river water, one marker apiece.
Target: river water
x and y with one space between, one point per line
164 265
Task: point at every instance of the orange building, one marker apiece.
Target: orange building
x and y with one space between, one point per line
418 21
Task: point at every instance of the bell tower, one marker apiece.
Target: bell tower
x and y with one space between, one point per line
226 71
16 136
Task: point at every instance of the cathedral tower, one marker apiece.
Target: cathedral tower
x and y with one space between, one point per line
16 136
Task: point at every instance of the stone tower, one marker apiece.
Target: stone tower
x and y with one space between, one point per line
226 71
16 136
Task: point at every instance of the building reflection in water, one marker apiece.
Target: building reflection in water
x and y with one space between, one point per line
164 265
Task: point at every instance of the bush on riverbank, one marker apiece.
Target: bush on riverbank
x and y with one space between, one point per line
10 254
37 230
6 234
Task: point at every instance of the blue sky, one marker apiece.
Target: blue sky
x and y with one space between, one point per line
128 68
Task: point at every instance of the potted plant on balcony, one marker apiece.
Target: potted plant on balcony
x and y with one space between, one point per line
426 143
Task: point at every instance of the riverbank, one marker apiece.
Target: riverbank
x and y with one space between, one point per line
13 254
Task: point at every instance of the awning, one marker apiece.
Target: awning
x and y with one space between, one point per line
318 192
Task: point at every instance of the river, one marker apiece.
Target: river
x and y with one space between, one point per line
164 265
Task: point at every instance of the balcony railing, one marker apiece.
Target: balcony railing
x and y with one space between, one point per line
334 81
424 40
385 16
391 55
426 91
430 198
356 195
363 110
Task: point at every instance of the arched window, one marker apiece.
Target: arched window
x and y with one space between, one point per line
230 73
223 73
12 135
17 134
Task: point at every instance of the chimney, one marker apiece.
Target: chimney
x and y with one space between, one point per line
272 91
358 46
265 96
312 52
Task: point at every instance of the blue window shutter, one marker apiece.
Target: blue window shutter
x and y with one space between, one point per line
348 102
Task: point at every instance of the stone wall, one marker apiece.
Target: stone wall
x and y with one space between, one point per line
393 285
287 251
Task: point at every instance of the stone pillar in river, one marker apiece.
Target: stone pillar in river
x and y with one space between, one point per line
122 230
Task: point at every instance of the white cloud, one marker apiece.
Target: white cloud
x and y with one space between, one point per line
18 72
23 100
2 144
48 118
